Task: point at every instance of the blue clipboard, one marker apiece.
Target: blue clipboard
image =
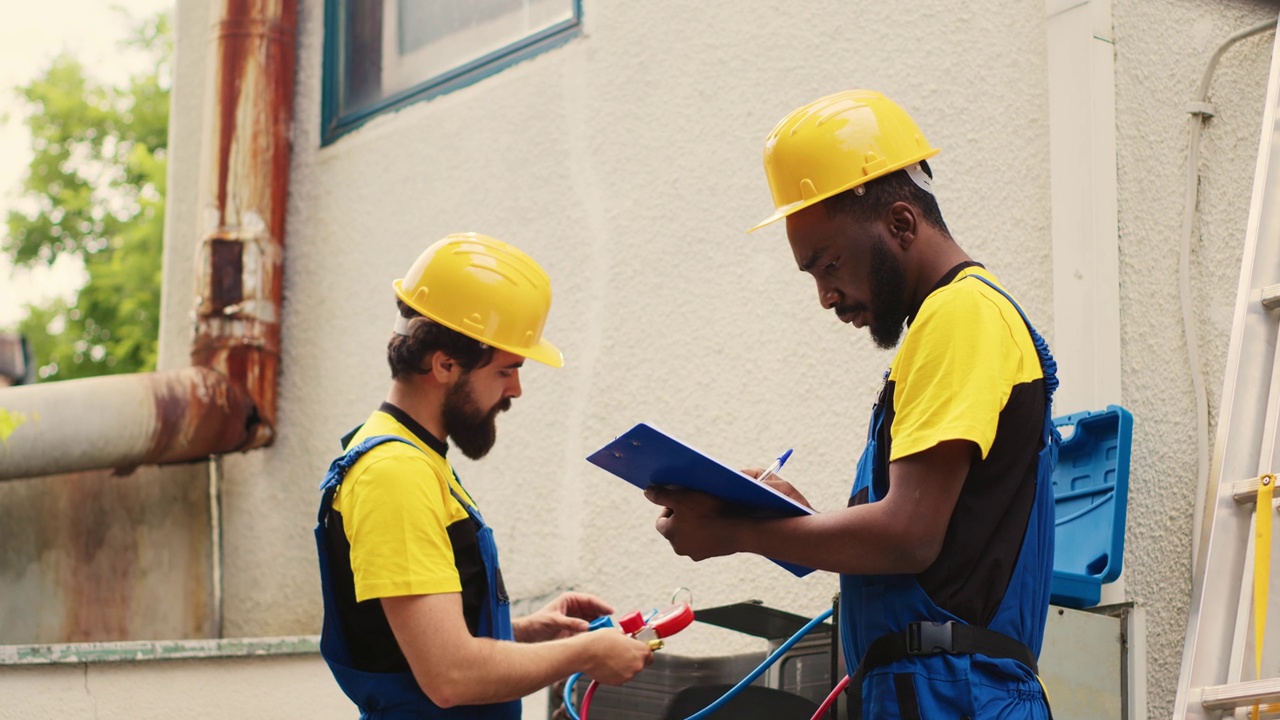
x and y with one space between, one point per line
645 456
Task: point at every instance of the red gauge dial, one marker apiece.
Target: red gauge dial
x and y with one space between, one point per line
671 620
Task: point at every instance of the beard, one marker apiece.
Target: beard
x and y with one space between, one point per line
888 290
888 306
473 429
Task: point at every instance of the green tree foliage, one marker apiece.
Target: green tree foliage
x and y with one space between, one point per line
95 189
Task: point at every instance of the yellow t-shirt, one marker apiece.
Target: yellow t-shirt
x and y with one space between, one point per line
965 352
396 510
968 369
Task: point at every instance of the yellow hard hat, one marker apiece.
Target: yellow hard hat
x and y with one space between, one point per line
837 143
485 289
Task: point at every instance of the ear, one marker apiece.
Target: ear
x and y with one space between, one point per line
903 222
442 368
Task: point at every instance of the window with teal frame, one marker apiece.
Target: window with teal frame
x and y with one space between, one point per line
381 55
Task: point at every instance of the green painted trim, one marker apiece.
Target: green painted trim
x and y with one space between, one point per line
143 650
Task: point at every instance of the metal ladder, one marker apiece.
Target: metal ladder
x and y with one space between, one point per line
1218 677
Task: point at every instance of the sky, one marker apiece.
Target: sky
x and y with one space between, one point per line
31 35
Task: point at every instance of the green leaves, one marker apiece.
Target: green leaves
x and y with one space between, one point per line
95 189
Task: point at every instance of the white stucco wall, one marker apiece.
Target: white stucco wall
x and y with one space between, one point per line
1161 53
628 163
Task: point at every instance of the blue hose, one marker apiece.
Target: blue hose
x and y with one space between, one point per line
782 649
568 696
750 678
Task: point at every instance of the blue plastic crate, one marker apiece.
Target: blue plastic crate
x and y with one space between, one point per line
1091 493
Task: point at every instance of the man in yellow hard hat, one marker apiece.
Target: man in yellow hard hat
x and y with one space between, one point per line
417 620
945 550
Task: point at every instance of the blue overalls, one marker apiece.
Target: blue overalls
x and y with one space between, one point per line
396 696
914 663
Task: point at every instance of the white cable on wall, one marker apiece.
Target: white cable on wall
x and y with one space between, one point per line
1200 109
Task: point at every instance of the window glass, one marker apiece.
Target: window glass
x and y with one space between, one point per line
381 54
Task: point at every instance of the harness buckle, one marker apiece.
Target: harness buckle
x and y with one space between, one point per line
929 638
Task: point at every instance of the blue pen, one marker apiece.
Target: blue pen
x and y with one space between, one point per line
775 467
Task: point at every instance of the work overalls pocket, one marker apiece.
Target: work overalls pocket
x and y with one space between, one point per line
918 694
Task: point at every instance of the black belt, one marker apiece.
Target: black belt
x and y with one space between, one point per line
931 638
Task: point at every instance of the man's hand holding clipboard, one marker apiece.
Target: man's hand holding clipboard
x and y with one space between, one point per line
668 469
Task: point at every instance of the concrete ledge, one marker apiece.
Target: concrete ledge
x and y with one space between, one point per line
146 650
245 679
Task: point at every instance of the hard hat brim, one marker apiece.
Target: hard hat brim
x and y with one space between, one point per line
545 353
796 207
775 217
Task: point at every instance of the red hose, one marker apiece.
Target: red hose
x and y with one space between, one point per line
586 699
822 709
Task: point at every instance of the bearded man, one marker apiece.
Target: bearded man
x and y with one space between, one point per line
417 620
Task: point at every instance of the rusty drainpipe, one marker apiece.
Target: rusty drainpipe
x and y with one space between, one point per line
226 401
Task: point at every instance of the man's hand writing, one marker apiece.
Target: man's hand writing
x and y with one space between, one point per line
780 485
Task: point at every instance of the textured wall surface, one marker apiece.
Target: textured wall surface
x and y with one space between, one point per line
1161 53
628 163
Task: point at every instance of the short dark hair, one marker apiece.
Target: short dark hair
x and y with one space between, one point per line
406 354
880 194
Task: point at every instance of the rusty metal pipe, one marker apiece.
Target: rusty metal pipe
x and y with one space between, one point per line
227 400
244 196
121 422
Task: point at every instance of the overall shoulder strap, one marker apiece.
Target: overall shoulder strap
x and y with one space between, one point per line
341 464
471 509
1048 365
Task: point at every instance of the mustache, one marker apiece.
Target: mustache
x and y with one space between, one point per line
503 405
851 309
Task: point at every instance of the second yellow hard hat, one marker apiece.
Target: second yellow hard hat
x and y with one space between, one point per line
837 143
485 289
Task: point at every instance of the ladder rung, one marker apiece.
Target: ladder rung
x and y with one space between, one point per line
1271 296
1246 491
1226 697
